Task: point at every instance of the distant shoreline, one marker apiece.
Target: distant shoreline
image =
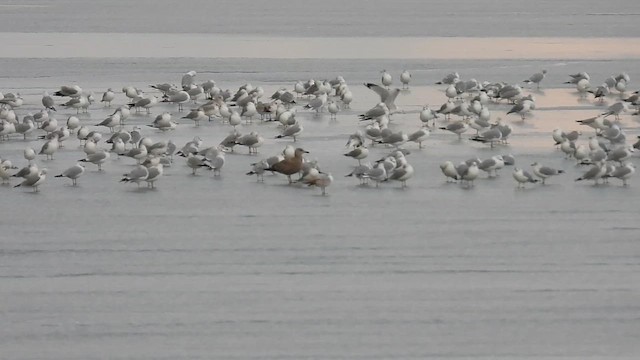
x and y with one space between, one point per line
157 45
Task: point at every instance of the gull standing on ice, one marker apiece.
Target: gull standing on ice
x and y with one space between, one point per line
543 172
73 173
405 78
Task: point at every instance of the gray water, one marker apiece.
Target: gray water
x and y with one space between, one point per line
229 268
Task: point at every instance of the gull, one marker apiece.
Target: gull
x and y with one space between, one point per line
509 159
594 173
333 109
386 78
157 149
195 92
583 86
490 136
359 172
358 153
195 163
50 147
522 177
124 112
6 129
468 172
196 115
188 79
582 153
451 78
405 78
4 171
620 154
209 88
289 166
48 102
456 128
494 164
62 133
154 173
249 110
230 140
427 114
449 170
123 135
29 154
73 122
139 153
180 98
597 143
522 108
65 90
568 147
509 93
543 172
388 97
600 92
347 98
381 109
258 169
446 108
319 179
73 173
78 103
191 147
419 136
373 132
98 158
614 134
34 180
27 171
621 86
253 141
144 103
356 139
110 122
452 92
479 124
118 146
536 78
378 173
49 125
392 138
9 115
41 116
108 96
558 136
596 122
292 131
163 122
234 118
623 172
317 103
25 127
616 109
82 134
575 78
402 174
138 174
131 92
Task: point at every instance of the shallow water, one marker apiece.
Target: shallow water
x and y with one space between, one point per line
229 268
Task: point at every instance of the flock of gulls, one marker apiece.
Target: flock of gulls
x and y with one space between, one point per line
467 107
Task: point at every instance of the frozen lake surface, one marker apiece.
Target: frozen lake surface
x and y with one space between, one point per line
229 268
